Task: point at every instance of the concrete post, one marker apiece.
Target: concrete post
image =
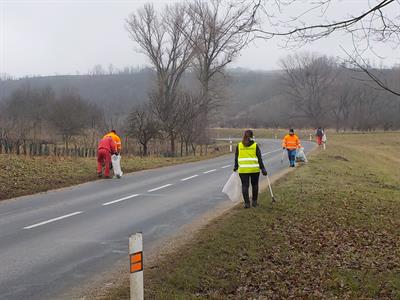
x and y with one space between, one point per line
230 145
136 266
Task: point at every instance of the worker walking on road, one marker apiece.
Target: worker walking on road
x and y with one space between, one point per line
291 143
104 151
248 162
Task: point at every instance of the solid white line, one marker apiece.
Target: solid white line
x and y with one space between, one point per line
227 166
159 188
187 178
53 220
271 152
213 170
119 200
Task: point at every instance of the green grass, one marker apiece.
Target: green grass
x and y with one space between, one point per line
334 234
25 175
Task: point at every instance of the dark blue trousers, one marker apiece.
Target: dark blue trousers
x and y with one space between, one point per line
292 157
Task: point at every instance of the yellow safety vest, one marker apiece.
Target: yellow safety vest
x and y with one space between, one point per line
247 159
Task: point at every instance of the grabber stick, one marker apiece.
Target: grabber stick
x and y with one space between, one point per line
283 155
270 189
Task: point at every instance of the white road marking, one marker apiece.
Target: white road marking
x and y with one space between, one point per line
271 152
159 188
187 178
53 220
119 200
227 166
213 170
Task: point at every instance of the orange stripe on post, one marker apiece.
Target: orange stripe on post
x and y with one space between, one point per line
136 267
136 257
136 260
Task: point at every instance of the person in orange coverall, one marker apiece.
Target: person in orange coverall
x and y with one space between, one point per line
104 151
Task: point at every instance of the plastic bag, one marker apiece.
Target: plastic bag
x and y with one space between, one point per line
116 163
300 155
233 188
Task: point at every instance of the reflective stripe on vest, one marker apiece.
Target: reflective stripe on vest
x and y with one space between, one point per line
247 159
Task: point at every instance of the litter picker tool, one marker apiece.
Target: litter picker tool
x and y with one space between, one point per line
283 154
270 189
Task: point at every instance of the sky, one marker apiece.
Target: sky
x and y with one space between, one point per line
56 37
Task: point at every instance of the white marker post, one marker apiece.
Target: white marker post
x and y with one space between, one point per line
230 145
310 137
136 266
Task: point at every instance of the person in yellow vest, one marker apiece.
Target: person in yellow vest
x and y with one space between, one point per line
291 143
248 163
116 139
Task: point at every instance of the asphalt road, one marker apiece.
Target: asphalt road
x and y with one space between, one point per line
51 242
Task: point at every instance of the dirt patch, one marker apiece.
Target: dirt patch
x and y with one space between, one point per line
339 157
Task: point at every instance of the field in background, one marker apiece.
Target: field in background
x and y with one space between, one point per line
334 233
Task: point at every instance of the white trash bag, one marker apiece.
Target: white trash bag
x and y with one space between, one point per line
300 155
233 188
116 163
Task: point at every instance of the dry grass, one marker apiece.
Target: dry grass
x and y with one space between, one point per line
333 235
24 175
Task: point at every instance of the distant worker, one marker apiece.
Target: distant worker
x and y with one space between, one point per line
291 143
105 149
116 139
248 163
319 134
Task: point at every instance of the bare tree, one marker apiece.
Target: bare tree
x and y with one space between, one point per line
70 115
192 127
221 31
143 126
378 22
308 81
160 37
26 111
342 101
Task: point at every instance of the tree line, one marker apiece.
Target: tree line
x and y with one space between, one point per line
319 91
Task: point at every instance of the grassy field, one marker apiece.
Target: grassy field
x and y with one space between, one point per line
24 175
334 234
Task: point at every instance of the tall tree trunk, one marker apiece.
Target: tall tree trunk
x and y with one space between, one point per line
172 140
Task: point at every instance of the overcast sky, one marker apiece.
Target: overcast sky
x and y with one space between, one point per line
69 36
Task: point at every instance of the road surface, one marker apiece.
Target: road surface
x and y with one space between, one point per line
53 241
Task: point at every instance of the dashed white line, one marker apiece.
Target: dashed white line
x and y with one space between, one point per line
209 171
159 188
227 166
53 220
187 178
271 152
119 200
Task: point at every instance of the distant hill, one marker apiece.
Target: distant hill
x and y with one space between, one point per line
119 92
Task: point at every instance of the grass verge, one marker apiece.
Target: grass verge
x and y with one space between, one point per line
334 234
25 175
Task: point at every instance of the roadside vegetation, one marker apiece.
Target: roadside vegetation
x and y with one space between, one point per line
24 175
334 234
